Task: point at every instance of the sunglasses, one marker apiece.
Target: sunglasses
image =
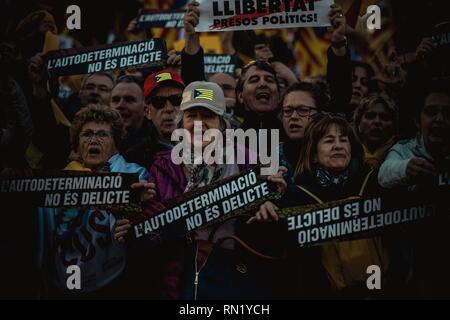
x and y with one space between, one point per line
159 102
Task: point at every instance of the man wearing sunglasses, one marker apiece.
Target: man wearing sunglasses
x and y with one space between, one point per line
163 94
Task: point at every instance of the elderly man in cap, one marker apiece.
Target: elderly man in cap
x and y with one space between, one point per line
163 94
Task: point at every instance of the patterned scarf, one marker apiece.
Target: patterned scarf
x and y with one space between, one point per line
200 175
326 179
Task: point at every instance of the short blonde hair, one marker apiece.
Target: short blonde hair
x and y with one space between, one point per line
371 100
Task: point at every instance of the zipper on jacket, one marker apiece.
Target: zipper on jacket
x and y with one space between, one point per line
196 285
196 274
197 270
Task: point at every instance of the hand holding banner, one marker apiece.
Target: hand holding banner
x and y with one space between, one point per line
161 19
219 63
229 15
73 189
106 58
204 206
352 218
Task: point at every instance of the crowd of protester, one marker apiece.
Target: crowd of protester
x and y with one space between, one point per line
343 134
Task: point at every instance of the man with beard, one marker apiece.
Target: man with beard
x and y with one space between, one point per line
163 94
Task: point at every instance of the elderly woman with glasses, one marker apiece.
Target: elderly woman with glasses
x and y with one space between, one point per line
331 168
85 237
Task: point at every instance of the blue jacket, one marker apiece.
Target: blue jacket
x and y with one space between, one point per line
393 170
70 237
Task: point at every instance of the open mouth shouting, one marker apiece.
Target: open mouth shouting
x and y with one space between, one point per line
263 96
438 132
94 151
357 94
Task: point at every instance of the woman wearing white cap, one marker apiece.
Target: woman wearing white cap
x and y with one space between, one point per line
186 275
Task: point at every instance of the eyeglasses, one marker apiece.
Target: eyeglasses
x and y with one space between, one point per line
100 135
159 102
433 110
302 111
101 88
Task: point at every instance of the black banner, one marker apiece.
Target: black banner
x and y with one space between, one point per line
202 207
443 180
161 19
352 218
106 58
219 63
64 189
